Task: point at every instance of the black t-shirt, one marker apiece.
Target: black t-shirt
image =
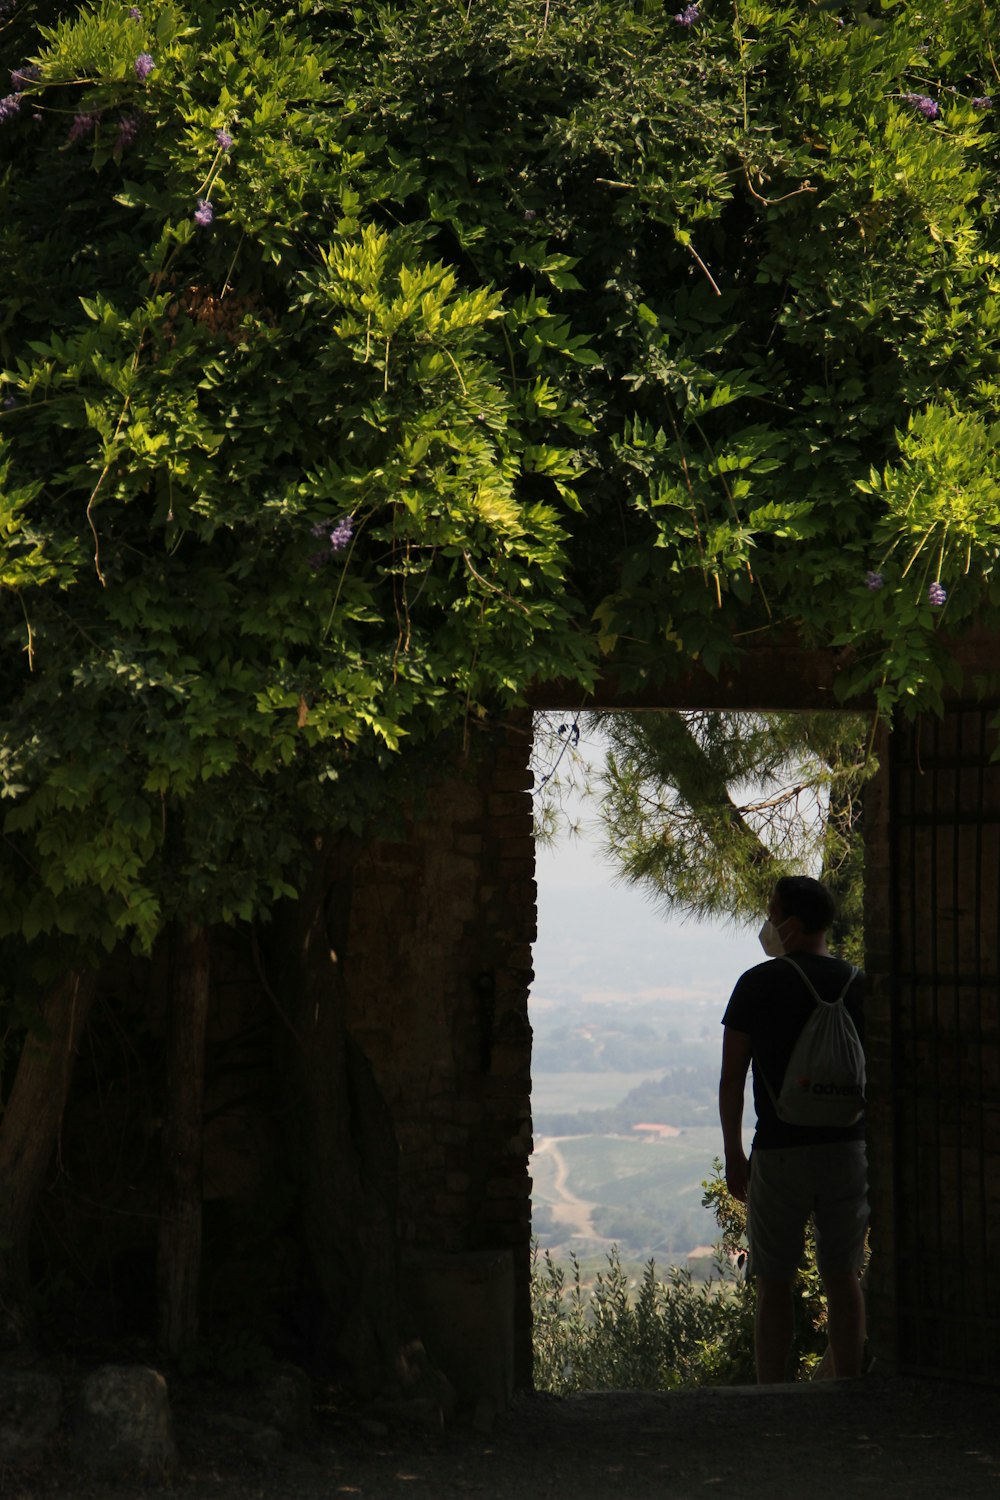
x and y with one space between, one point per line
772 1004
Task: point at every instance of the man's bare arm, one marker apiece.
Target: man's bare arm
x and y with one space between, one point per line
732 1084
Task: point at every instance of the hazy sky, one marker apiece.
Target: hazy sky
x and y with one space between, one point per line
599 939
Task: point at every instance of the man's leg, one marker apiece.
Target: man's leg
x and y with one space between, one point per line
841 1216
773 1329
778 1206
845 1322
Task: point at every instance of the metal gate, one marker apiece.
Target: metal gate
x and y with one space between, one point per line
944 899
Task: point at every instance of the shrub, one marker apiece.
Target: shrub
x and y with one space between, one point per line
669 1333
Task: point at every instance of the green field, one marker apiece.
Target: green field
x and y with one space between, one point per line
622 1171
643 1195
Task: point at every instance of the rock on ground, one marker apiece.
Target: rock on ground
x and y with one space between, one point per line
122 1423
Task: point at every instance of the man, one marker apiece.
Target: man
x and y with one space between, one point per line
795 1170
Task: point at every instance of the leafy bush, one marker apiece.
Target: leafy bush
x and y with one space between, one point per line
362 365
609 1341
670 1333
809 1337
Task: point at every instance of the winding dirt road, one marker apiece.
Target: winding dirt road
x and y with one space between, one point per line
574 1213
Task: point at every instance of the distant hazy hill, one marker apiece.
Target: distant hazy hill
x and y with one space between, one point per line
622 1037
683 1096
592 1048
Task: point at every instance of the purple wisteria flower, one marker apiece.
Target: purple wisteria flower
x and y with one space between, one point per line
936 595
927 106
984 101
341 534
128 129
223 140
204 213
688 16
337 539
82 126
9 106
144 65
874 580
20 78
135 13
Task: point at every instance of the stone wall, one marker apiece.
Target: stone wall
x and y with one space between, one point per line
436 926
94 1254
437 968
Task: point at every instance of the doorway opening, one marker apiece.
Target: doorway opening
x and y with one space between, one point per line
658 844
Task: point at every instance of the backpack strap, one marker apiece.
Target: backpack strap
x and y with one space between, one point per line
812 988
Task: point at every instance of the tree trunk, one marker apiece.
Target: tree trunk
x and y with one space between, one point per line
178 1269
29 1130
340 1139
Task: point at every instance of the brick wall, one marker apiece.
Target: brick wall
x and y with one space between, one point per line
437 969
436 928
933 936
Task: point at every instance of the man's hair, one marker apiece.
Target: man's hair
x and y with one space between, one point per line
808 899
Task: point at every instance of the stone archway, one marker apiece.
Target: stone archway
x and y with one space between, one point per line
437 970
462 1104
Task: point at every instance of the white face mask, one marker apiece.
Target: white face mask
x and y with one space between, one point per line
770 940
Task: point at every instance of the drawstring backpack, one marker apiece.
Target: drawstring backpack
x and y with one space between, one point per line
824 1083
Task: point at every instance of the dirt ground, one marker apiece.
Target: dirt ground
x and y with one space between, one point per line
891 1438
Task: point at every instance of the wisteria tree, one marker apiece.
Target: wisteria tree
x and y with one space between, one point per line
360 366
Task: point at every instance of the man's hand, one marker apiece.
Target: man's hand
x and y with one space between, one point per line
737 1176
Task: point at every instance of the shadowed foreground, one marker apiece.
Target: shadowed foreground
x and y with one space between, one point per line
886 1437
